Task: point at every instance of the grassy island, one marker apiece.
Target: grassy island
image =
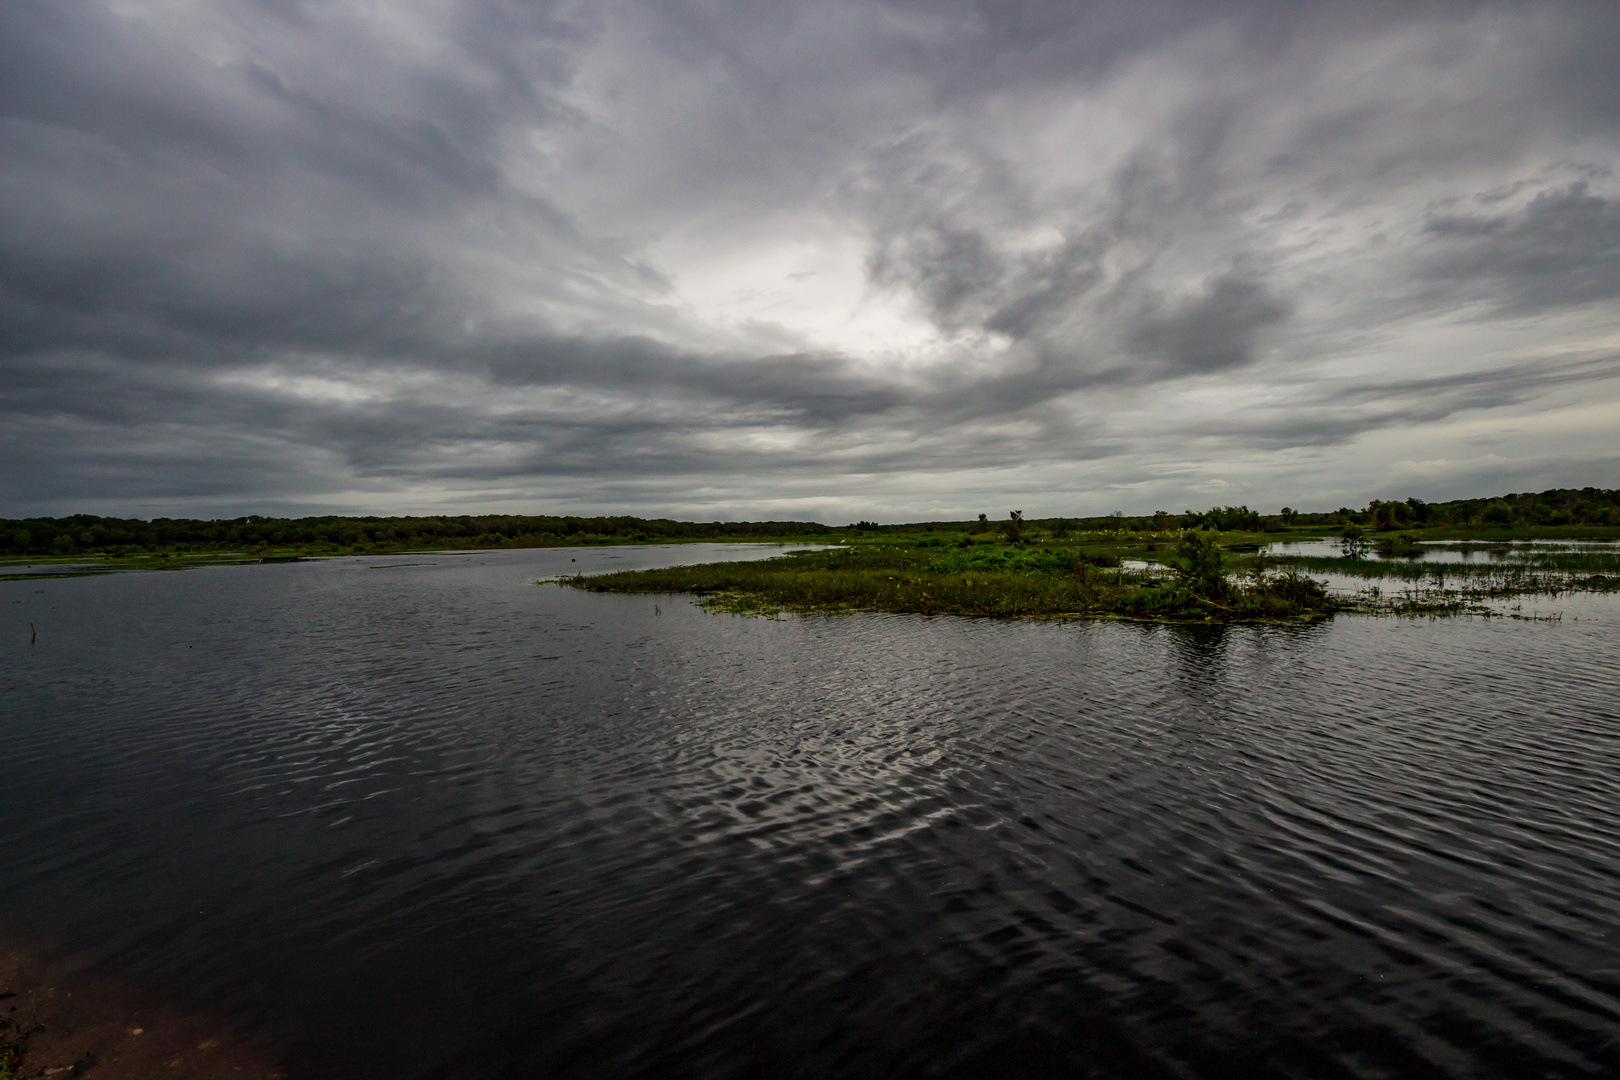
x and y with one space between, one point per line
994 576
1209 566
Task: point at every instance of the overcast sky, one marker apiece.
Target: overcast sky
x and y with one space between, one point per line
739 258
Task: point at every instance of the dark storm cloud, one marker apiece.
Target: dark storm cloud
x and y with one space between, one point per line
329 251
807 387
1217 329
1560 250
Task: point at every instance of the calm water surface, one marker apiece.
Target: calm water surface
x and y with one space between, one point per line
427 819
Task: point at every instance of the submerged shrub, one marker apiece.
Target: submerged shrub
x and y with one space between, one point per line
1403 546
1294 588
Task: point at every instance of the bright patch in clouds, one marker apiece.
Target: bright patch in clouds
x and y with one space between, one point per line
804 279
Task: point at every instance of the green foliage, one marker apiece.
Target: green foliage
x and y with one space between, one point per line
1561 511
985 579
1294 588
1232 519
1400 546
1353 541
85 534
1202 564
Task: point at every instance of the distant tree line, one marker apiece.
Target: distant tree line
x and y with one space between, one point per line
1559 506
88 534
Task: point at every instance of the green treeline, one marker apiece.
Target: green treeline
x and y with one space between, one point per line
1559 506
86 534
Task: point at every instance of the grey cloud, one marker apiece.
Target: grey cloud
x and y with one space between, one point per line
467 215
808 388
1048 287
1561 250
1216 330
1338 412
950 268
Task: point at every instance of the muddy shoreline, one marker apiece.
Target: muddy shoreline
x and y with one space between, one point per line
83 1022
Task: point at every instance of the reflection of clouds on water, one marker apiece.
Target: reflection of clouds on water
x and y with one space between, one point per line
539 822
1523 578
1448 551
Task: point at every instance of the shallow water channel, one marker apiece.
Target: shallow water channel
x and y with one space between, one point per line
422 817
1503 553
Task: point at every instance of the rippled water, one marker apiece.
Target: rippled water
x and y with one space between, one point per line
1504 553
426 818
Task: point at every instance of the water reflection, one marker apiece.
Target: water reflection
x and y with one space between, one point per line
435 820
1449 551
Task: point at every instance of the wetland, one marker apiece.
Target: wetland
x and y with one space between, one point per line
408 815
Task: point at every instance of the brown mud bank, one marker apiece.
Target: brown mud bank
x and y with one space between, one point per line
69 1020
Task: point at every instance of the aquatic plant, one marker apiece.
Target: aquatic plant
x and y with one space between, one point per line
1514 562
983 579
1400 546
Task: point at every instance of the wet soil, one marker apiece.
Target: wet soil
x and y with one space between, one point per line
80 1023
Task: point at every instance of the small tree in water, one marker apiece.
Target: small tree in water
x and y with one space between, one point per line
1353 541
1201 563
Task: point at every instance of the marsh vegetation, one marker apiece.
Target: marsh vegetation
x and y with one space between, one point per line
1218 566
1557 512
1222 564
995 575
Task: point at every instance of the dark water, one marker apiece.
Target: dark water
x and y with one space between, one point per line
1503 553
432 820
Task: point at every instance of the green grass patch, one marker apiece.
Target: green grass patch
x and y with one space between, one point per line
966 575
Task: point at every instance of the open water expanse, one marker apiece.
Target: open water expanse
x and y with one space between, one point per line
423 818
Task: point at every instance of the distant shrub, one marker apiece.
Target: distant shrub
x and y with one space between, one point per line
1353 541
1201 563
1400 546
